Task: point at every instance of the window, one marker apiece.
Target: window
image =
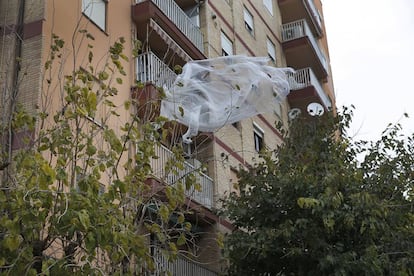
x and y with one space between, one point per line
95 10
194 14
234 181
226 45
269 5
248 21
278 110
258 135
271 50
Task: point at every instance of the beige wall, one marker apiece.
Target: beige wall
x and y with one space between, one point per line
220 16
328 86
76 48
64 19
29 77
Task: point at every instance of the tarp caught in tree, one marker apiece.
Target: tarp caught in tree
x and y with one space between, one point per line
211 93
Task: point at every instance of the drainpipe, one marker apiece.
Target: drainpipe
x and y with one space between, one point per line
207 27
8 136
15 80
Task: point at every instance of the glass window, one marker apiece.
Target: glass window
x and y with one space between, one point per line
226 45
258 135
271 49
95 10
194 14
278 110
248 21
269 5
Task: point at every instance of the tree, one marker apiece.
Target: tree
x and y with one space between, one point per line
311 208
74 198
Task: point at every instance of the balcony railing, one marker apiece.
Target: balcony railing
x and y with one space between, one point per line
151 69
314 13
181 20
181 266
299 29
304 78
203 196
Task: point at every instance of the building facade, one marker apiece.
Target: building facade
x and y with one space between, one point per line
172 32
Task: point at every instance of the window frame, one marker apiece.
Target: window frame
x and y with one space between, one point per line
268 5
258 137
194 14
94 16
226 40
271 49
248 21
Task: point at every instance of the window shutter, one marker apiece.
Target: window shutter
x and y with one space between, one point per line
96 11
269 5
271 49
248 18
226 44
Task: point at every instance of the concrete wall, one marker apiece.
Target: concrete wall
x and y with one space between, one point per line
26 84
227 17
328 86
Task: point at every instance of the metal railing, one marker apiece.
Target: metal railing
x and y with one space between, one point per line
304 78
314 13
179 267
181 20
298 29
152 69
204 195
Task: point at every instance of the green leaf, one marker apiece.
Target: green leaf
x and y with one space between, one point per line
91 103
90 56
127 105
84 218
181 110
90 149
12 242
112 139
164 213
307 203
181 240
173 247
103 76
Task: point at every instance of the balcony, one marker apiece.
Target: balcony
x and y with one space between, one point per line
204 196
173 21
151 69
305 89
181 266
301 48
292 10
152 72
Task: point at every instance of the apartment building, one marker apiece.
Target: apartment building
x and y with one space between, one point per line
172 32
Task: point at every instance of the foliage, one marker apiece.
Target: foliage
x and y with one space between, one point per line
75 199
310 208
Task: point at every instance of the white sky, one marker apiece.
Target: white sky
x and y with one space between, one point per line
371 45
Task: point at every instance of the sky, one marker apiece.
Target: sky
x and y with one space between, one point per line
371 46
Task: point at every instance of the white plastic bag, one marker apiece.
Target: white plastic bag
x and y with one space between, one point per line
211 93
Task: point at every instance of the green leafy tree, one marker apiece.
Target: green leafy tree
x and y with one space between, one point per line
310 208
75 198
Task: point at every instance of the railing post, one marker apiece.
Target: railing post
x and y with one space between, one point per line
151 69
204 197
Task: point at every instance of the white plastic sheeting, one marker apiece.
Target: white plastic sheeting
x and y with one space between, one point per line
211 93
